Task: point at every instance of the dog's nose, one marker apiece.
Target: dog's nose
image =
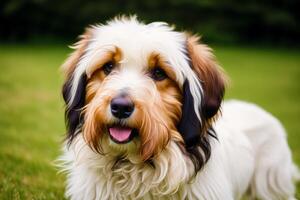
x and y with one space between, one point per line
121 106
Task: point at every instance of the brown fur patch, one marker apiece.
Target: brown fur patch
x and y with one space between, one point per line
94 125
156 60
96 74
109 56
70 64
211 75
158 124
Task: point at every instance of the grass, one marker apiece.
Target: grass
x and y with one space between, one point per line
31 108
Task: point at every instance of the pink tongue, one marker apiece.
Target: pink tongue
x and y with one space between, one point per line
120 134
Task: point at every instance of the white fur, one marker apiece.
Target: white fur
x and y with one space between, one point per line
251 153
274 170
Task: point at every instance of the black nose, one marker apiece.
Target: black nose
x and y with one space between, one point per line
121 106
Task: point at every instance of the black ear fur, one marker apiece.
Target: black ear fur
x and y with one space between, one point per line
196 143
189 125
73 115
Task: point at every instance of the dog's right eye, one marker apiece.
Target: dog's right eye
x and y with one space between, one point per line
108 67
158 74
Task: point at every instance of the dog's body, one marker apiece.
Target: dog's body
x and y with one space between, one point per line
157 150
249 154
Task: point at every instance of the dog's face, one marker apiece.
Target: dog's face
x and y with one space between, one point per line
132 102
132 88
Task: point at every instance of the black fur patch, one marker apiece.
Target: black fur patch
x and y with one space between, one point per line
73 115
196 142
189 125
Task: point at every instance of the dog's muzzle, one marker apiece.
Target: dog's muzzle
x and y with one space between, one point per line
121 107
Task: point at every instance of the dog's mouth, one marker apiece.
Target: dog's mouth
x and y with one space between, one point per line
121 134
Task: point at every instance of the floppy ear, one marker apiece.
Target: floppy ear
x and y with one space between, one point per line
212 80
73 109
196 132
210 74
79 47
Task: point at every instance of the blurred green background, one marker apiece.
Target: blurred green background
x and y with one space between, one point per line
257 43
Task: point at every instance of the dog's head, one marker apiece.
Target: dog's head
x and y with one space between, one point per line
131 88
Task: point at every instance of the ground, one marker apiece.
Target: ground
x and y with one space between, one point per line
32 120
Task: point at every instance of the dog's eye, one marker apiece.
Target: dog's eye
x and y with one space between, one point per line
158 74
108 67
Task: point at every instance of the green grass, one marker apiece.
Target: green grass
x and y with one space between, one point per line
31 122
31 108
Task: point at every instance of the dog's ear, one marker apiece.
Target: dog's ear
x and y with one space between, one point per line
209 73
74 102
79 47
195 131
213 82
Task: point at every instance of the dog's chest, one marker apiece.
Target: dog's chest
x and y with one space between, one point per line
124 180
92 176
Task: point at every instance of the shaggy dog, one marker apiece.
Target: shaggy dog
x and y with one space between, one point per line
145 120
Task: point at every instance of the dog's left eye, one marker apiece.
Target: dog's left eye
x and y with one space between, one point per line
158 74
108 67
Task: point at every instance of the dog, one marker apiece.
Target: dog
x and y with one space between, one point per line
146 120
